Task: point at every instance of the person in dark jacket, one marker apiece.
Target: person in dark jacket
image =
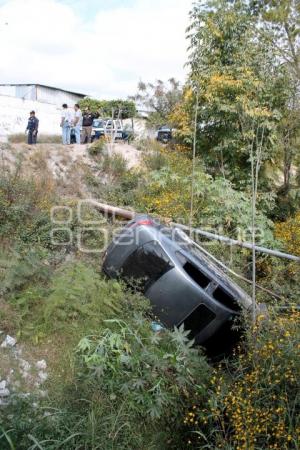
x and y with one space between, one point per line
32 128
87 122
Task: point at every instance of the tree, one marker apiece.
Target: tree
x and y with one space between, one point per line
280 26
290 141
240 84
280 22
181 118
123 109
158 99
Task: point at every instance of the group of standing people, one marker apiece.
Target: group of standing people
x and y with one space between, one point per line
70 119
80 122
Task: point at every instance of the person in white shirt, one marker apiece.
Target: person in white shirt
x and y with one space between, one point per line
66 123
77 122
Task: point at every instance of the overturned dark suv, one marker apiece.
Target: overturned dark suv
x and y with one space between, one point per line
183 285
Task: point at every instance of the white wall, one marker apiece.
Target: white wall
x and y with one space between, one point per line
8 90
141 131
14 113
24 91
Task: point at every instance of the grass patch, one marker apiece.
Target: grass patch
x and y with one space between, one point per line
73 298
149 145
115 165
18 138
97 147
155 160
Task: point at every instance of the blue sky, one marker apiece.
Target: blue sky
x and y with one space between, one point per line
101 48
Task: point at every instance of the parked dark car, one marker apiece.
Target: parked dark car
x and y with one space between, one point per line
184 286
164 134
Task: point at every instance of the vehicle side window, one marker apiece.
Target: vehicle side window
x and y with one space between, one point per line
146 264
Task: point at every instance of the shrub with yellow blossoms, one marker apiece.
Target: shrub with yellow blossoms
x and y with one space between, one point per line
255 398
289 233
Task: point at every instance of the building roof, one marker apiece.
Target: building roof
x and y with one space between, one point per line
43 85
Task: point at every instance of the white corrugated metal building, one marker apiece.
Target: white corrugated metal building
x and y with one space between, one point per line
17 100
41 93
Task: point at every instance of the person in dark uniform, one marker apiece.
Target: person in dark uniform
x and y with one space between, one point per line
32 128
87 122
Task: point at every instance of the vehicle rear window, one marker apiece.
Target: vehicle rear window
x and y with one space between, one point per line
145 265
98 123
195 273
198 320
226 299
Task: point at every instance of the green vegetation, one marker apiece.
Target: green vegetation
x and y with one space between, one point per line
243 71
114 165
18 138
113 382
254 404
97 147
122 109
158 99
162 188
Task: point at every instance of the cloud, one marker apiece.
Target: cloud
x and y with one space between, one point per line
103 53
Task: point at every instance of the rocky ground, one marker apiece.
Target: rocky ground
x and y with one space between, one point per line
66 165
129 152
20 374
60 158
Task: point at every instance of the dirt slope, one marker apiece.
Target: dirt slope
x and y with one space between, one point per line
66 164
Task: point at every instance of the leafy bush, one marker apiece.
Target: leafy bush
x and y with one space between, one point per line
149 145
165 190
121 192
114 165
24 207
74 297
97 147
284 276
289 233
78 293
217 205
144 379
129 386
128 360
24 267
254 397
155 160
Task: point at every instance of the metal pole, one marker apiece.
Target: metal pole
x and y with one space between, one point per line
127 214
229 241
